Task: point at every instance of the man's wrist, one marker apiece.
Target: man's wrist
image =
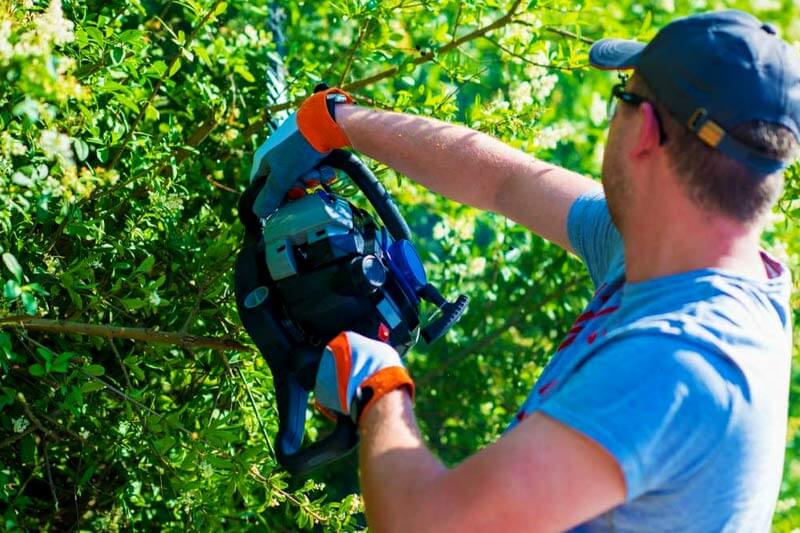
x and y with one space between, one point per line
342 114
391 404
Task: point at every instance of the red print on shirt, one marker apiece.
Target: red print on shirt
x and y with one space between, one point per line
582 321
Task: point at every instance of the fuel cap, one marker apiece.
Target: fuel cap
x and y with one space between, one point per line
405 258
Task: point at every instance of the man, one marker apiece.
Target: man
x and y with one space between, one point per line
665 406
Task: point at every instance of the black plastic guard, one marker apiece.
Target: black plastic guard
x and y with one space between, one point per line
290 364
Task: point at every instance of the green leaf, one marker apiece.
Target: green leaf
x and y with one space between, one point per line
30 303
133 304
117 55
13 266
92 386
151 113
27 449
11 290
81 149
165 443
244 73
45 354
94 370
202 53
147 265
5 342
37 370
175 67
61 363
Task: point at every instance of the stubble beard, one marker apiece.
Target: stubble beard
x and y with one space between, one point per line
616 189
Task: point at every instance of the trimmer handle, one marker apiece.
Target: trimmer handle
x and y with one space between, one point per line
374 191
451 313
289 364
292 417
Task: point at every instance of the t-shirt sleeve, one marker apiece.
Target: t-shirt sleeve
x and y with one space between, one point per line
655 403
593 235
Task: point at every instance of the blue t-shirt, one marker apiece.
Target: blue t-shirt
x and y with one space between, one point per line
684 379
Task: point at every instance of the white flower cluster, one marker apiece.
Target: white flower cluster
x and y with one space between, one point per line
765 5
549 136
48 29
5 167
57 146
20 424
542 80
463 227
440 230
598 110
6 50
477 265
667 5
53 27
11 146
521 95
252 37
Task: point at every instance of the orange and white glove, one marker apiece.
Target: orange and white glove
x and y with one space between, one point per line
297 147
355 371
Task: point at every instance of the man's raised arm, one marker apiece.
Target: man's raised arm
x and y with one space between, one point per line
469 167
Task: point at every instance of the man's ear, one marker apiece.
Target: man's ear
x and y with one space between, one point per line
648 135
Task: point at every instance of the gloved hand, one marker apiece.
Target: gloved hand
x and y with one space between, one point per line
355 371
296 147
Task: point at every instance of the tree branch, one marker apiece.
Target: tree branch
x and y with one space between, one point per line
353 49
121 332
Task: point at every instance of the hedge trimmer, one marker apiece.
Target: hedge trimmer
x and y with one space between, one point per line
320 265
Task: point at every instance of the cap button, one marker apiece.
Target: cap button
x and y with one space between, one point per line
769 28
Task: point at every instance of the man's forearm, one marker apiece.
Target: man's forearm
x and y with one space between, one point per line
460 163
468 166
395 464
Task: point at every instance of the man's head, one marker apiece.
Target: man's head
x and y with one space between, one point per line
716 98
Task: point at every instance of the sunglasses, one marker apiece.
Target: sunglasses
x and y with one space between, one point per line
618 92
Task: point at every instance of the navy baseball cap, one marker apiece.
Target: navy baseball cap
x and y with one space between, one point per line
714 71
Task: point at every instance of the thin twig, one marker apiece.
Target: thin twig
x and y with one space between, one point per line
61 427
11 440
528 61
255 411
351 53
255 474
221 186
121 332
558 31
49 474
121 364
457 20
32 417
209 280
199 136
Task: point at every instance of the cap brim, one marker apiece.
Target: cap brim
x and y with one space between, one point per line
615 54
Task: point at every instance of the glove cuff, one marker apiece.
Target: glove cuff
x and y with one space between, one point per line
317 125
378 385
